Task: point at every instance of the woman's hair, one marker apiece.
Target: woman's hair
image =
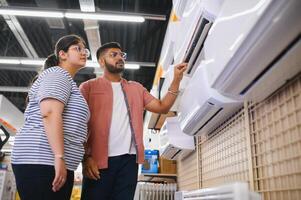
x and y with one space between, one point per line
53 59
62 44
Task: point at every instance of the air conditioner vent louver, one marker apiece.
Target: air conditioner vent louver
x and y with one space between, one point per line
177 153
170 153
195 38
194 53
201 117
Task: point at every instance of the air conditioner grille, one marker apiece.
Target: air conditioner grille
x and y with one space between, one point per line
201 117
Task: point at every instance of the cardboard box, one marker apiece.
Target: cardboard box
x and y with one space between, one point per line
167 166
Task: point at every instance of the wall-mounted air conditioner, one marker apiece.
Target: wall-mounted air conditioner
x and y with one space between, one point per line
167 57
179 8
174 144
168 77
194 53
194 29
10 116
202 108
255 47
167 51
184 29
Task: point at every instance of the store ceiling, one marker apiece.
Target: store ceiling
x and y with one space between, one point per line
35 38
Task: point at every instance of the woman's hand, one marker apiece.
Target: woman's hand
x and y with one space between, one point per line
60 174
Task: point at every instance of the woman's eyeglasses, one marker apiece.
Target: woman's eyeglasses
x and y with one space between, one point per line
114 54
81 50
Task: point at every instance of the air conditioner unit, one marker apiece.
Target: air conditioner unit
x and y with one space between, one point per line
168 56
195 54
202 108
168 78
168 50
179 7
193 31
10 116
184 29
255 48
233 191
174 143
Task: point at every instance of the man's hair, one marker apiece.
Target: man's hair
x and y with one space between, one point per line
106 46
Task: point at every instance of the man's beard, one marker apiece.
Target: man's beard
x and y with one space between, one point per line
113 69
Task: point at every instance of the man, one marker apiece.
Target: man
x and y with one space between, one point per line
115 144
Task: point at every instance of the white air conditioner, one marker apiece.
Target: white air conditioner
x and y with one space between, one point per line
178 7
233 191
195 52
10 116
174 143
167 56
184 28
168 77
202 108
255 47
167 51
192 31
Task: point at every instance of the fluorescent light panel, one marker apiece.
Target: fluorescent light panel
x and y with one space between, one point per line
32 62
104 17
10 61
40 62
31 13
72 15
132 66
90 63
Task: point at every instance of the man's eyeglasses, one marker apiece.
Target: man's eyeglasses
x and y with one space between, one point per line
81 50
114 54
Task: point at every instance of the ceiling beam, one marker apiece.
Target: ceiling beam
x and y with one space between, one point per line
91 28
19 33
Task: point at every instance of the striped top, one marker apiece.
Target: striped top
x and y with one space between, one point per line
31 144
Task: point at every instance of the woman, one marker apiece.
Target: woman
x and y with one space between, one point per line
49 146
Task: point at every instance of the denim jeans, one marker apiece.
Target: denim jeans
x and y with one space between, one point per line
34 182
117 182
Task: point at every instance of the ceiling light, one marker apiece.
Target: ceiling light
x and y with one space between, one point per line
31 13
10 61
32 62
72 15
104 17
40 62
132 66
93 64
